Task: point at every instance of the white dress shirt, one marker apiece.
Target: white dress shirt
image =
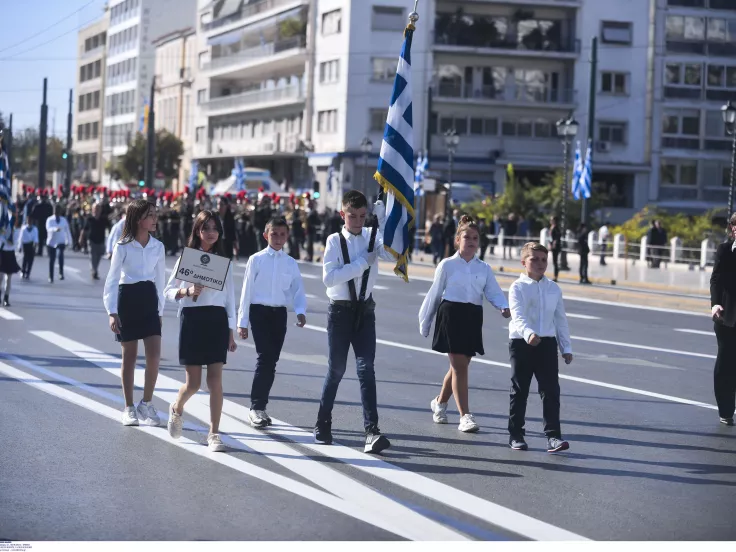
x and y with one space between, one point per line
28 234
58 232
336 274
460 281
132 263
272 278
115 233
537 308
207 298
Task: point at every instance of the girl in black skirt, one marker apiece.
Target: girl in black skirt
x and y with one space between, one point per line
9 236
206 330
456 297
134 299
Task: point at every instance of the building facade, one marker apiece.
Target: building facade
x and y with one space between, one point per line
89 101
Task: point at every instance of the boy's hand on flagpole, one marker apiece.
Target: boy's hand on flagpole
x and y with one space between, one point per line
379 209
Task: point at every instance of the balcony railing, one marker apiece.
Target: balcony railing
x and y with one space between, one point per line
520 93
245 12
254 98
253 54
529 44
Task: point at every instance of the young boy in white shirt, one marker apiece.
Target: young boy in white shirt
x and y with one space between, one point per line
538 327
272 282
27 245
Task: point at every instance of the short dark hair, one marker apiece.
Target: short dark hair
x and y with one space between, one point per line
528 249
277 222
354 199
732 221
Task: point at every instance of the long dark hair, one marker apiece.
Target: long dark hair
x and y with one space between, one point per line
195 242
137 210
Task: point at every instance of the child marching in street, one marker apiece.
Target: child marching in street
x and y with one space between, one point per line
134 300
272 283
456 297
9 234
538 328
206 330
27 244
349 268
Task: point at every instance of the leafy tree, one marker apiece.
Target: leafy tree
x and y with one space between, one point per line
169 150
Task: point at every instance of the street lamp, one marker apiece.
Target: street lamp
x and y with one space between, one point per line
566 130
451 142
729 118
366 146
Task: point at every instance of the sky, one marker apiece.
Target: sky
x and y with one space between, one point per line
26 59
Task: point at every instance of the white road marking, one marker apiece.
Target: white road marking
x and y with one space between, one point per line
562 376
582 316
72 269
355 510
311 276
376 286
8 315
698 332
310 296
644 347
449 496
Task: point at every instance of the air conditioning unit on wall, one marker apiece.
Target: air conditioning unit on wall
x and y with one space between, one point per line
603 147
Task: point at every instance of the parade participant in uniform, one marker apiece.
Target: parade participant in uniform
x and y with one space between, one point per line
27 244
227 220
347 263
538 327
94 232
134 300
456 297
313 226
723 309
272 282
206 330
58 238
41 212
9 234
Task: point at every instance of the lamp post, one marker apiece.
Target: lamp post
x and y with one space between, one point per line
566 130
451 142
729 118
366 146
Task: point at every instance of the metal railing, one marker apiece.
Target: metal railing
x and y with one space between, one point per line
245 12
256 53
520 93
254 97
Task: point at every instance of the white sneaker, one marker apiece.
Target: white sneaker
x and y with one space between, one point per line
439 411
129 417
175 423
215 444
258 418
467 424
147 414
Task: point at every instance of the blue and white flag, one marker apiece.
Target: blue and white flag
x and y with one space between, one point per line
5 183
395 172
193 176
239 174
330 176
586 174
576 172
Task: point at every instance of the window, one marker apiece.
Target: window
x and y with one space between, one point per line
96 100
685 28
95 130
714 126
378 119
720 76
614 83
384 69
327 121
675 172
616 32
98 68
681 129
201 96
386 18
612 132
329 71
199 134
332 23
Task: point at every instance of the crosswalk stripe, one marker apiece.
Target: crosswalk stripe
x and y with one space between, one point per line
8 315
582 316
376 286
698 332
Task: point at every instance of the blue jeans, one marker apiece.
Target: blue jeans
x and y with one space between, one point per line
340 335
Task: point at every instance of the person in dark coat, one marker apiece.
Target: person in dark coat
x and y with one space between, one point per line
42 210
555 239
437 239
583 251
228 225
657 237
313 225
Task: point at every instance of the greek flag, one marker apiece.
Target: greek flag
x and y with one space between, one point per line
193 176
395 172
587 173
576 172
5 183
239 174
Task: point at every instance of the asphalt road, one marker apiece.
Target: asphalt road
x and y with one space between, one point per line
648 458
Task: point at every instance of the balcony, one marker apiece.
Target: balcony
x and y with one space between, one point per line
285 145
525 95
712 4
255 100
277 55
248 11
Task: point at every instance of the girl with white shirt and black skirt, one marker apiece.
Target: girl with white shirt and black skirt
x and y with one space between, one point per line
134 299
58 238
456 297
206 330
9 236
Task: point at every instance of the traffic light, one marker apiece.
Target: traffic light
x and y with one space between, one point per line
141 179
315 195
64 154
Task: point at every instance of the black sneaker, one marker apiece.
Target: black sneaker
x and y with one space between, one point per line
727 421
556 445
518 444
375 442
61 276
323 433
6 303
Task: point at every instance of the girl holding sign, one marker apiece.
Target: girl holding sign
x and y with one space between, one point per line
134 299
206 331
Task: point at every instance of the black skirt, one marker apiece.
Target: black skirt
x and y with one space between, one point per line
138 311
458 329
204 336
8 264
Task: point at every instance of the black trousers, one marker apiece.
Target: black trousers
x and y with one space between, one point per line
583 267
42 235
29 252
556 261
724 375
52 258
540 362
268 326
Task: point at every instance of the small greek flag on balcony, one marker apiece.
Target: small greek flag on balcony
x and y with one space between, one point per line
577 171
587 174
239 174
5 183
395 173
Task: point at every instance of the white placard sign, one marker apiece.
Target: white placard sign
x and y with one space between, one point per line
206 269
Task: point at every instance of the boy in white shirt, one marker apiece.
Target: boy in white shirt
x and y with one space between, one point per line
272 282
538 327
27 244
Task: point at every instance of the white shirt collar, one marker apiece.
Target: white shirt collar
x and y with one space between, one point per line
733 246
349 236
458 257
273 252
527 280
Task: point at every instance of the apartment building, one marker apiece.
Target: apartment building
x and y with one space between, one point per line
88 104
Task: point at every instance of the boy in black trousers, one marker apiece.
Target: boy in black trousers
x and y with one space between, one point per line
538 327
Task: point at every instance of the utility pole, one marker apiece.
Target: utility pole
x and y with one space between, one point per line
68 175
42 139
151 136
591 115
